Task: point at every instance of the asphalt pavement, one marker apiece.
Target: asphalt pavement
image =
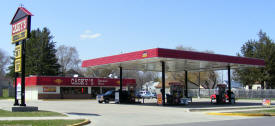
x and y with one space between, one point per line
262 121
137 114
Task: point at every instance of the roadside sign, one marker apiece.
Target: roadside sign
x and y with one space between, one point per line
21 26
159 97
266 102
17 65
20 30
18 51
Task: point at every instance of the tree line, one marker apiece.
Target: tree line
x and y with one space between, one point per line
43 59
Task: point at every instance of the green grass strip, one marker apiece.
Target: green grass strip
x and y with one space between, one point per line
40 122
4 113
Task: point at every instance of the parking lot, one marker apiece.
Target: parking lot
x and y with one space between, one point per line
134 114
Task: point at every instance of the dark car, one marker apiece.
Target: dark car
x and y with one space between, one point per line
106 97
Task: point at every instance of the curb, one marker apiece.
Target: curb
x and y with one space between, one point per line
240 114
230 108
86 121
66 99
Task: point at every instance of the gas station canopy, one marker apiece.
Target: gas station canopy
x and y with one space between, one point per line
175 60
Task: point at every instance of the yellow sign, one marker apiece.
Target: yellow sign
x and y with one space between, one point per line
144 55
18 51
49 89
17 65
58 81
19 36
159 99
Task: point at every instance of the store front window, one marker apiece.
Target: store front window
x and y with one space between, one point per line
74 90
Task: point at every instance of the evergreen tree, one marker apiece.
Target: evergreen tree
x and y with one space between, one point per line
40 55
264 48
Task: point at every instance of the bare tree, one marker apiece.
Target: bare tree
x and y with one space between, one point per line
94 72
209 77
68 58
4 61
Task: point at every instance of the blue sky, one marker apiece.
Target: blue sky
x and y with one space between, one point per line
106 27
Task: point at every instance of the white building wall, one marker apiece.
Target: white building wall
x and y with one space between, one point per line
31 93
89 90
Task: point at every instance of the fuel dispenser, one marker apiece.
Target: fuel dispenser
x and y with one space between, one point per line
220 94
176 93
132 96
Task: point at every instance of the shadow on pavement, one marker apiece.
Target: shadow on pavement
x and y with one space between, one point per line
204 105
83 114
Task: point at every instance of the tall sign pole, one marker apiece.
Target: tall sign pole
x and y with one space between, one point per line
21 26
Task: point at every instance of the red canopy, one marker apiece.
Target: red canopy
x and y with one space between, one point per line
176 60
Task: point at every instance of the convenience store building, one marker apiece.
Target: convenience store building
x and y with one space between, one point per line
47 87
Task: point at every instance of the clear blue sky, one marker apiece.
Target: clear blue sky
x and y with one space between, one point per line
101 28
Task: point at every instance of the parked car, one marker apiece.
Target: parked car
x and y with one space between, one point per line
146 94
106 97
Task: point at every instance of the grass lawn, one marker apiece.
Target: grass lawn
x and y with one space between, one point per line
40 122
6 98
269 111
4 113
254 98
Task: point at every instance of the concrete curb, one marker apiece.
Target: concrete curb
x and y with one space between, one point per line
85 122
230 108
240 114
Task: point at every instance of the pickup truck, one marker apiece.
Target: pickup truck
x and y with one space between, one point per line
106 97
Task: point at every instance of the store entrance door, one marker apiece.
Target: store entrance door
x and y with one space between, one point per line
95 91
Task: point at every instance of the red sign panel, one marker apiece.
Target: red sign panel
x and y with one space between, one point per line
76 81
20 30
20 26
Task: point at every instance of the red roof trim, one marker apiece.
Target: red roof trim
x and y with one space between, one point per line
181 54
121 57
23 9
26 11
170 53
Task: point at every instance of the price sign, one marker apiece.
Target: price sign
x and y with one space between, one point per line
17 65
18 51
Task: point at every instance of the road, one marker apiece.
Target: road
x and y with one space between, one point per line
262 121
132 115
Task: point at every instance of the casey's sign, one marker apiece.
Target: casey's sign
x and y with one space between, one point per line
20 30
19 26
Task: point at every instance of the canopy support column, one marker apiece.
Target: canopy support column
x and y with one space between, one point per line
229 84
121 82
199 94
186 84
163 82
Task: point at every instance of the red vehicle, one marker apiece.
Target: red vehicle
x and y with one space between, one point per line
221 95
213 97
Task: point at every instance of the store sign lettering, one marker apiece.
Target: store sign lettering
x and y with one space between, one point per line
79 81
19 26
102 81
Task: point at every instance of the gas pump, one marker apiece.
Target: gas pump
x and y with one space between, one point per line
176 93
132 97
220 94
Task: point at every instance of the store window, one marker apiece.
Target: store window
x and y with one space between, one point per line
74 90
